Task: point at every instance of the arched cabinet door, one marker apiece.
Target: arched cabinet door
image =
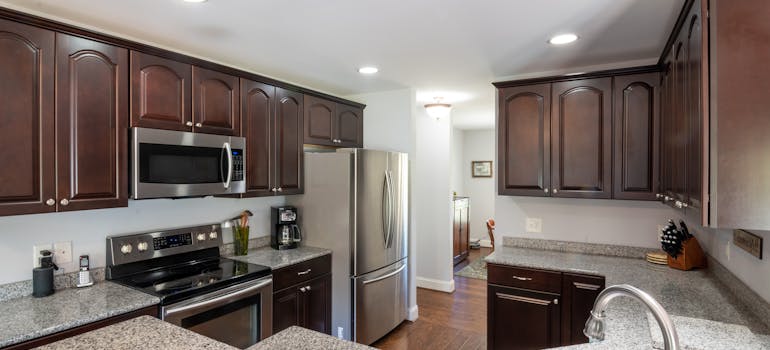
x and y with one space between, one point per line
92 117
215 102
349 126
523 141
257 113
160 93
289 155
320 117
581 139
636 144
27 140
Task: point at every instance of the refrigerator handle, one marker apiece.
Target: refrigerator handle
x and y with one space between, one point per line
393 208
386 212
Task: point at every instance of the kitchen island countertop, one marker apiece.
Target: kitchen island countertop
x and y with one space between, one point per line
298 338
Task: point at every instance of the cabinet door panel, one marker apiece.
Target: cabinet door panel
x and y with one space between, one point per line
578 294
257 112
350 126
524 141
289 135
215 102
522 319
636 137
92 118
678 137
286 309
320 115
582 139
695 116
27 142
316 306
160 93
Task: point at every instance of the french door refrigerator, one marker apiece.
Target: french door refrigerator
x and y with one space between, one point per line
355 204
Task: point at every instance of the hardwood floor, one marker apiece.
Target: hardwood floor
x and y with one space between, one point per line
447 321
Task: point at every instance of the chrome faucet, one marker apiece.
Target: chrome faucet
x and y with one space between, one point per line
595 325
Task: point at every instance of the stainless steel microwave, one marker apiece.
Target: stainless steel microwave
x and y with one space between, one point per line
173 164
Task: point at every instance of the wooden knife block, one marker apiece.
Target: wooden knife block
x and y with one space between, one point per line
690 258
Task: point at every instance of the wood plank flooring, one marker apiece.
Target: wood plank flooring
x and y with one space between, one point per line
447 321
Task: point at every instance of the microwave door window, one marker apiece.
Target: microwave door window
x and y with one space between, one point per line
170 164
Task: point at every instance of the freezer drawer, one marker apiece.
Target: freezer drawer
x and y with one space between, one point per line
380 302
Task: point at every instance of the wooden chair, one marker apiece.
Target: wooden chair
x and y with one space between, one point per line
491 232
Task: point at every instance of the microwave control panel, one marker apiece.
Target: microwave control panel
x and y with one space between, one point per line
237 165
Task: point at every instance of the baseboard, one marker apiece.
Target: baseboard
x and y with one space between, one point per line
413 314
485 243
441 286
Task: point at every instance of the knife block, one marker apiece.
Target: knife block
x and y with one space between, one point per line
691 256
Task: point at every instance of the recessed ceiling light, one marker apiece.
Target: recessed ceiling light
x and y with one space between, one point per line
194 0
368 70
562 39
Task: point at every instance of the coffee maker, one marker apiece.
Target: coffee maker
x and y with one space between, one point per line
286 232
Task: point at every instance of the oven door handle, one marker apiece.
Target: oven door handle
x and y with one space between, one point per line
218 300
226 148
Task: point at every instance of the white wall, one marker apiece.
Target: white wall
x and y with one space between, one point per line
88 229
479 145
456 161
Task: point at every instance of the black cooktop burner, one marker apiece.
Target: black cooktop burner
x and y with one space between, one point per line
186 280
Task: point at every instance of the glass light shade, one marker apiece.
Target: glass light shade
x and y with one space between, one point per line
438 110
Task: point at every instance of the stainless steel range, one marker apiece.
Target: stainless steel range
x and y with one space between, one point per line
223 299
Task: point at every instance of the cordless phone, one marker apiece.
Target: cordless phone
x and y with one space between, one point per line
84 275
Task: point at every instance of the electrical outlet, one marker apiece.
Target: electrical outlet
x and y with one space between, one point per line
340 333
62 252
36 253
534 225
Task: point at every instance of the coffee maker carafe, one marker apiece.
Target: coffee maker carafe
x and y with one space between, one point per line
286 233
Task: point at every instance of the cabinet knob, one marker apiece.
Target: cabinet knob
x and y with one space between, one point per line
302 289
684 205
188 124
198 125
273 189
658 195
555 191
556 301
678 204
307 288
666 198
280 189
545 190
64 202
50 202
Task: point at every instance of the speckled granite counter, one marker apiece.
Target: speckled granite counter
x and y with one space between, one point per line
690 294
143 332
277 259
27 318
298 338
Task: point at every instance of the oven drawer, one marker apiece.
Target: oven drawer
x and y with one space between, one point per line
301 272
540 280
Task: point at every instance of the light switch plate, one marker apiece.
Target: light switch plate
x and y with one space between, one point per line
534 225
36 253
62 252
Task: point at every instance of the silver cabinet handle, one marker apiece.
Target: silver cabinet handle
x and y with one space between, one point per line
188 124
64 202
50 202
198 125
301 273
522 278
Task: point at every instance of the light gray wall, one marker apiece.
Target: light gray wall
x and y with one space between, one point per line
479 145
88 229
456 161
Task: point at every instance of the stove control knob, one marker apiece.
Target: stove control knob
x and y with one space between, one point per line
126 248
201 236
142 246
213 235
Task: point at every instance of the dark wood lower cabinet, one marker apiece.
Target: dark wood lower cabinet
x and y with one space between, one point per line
303 295
536 309
48 339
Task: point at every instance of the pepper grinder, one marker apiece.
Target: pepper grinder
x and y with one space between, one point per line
42 277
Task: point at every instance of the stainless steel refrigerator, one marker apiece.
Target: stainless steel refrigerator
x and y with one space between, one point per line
355 204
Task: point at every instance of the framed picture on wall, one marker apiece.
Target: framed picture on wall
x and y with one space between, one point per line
481 168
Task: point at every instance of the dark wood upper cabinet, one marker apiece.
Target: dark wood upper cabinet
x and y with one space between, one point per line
694 113
578 295
92 124
524 140
161 91
215 102
636 148
289 157
320 117
581 139
27 135
349 126
522 319
257 115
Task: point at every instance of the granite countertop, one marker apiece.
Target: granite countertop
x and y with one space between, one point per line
27 318
686 295
143 332
298 338
277 259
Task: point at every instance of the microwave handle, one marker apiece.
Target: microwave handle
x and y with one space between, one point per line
229 164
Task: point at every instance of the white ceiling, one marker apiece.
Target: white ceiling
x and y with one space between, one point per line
453 48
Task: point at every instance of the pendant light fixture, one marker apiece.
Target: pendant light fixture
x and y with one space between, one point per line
438 110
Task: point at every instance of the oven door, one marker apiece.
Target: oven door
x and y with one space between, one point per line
239 315
184 164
